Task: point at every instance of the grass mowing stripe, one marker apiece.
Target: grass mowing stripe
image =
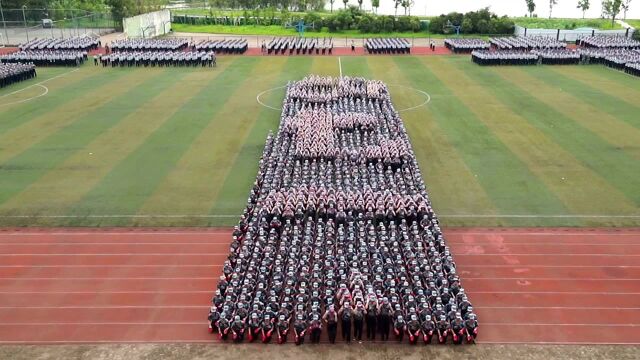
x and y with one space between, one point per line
355 66
194 183
606 125
68 182
584 91
509 183
231 199
325 66
559 170
123 190
32 130
453 187
613 85
20 171
609 161
43 75
63 92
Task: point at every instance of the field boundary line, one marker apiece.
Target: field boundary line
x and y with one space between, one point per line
230 215
46 89
123 254
111 307
340 65
536 216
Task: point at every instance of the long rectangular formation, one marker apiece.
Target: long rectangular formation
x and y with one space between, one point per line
339 230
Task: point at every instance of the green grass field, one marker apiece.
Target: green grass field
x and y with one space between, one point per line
536 146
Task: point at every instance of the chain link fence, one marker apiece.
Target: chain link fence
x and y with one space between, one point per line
18 26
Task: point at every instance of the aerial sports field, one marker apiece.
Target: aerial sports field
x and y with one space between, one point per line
536 146
118 187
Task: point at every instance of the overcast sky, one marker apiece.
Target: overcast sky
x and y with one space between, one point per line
564 8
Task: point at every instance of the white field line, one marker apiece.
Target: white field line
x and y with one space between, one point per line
465 278
52 231
535 216
267 91
455 244
110 292
479 341
556 292
107 278
556 307
164 266
39 83
46 91
117 216
108 243
200 323
208 306
213 342
423 93
480 216
340 65
551 324
519 266
549 254
121 254
111 307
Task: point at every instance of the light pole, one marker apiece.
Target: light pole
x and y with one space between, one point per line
24 18
4 23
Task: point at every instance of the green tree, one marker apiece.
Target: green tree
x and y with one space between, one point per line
552 3
584 6
611 9
345 3
331 4
396 4
467 26
375 4
121 9
531 7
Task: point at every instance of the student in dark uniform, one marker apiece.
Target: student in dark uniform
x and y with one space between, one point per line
384 318
330 317
345 314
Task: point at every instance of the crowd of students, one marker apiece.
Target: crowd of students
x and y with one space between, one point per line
608 42
231 46
612 51
463 46
387 46
77 43
298 46
173 44
15 73
338 233
504 57
46 57
633 68
526 43
156 58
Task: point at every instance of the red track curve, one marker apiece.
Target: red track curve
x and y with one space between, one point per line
153 285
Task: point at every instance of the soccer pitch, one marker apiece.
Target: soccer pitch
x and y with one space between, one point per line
507 146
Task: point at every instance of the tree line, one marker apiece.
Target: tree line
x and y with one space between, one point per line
611 9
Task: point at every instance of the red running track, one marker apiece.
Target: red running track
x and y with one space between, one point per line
557 286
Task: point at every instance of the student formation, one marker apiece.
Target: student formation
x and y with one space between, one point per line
618 52
338 236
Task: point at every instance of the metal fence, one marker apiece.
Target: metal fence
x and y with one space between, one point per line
18 26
